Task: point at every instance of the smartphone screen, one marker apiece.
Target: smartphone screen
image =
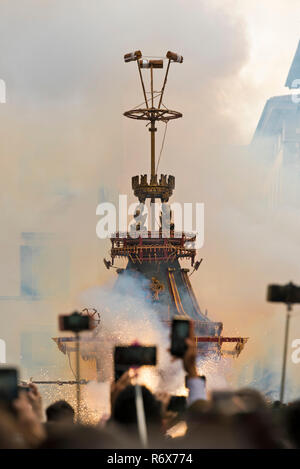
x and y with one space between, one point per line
74 322
177 404
127 357
180 332
8 384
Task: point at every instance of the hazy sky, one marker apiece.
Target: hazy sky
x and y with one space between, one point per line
266 34
273 31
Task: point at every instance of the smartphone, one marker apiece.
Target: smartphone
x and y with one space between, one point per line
23 388
180 332
177 404
8 384
126 357
75 322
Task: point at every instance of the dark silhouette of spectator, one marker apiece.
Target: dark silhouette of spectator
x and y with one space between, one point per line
60 412
292 419
124 411
80 437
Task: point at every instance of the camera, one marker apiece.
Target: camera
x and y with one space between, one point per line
288 294
126 357
75 322
180 332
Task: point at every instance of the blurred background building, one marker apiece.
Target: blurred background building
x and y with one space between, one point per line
277 137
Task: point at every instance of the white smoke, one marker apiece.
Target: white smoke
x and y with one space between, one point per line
127 317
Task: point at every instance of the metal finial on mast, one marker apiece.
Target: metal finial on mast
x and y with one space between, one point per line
154 189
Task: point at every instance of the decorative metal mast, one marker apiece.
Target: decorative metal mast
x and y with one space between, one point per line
163 188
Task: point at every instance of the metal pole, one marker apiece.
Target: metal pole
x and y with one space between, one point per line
164 85
59 383
152 98
143 86
152 131
152 204
77 377
141 419
286 337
